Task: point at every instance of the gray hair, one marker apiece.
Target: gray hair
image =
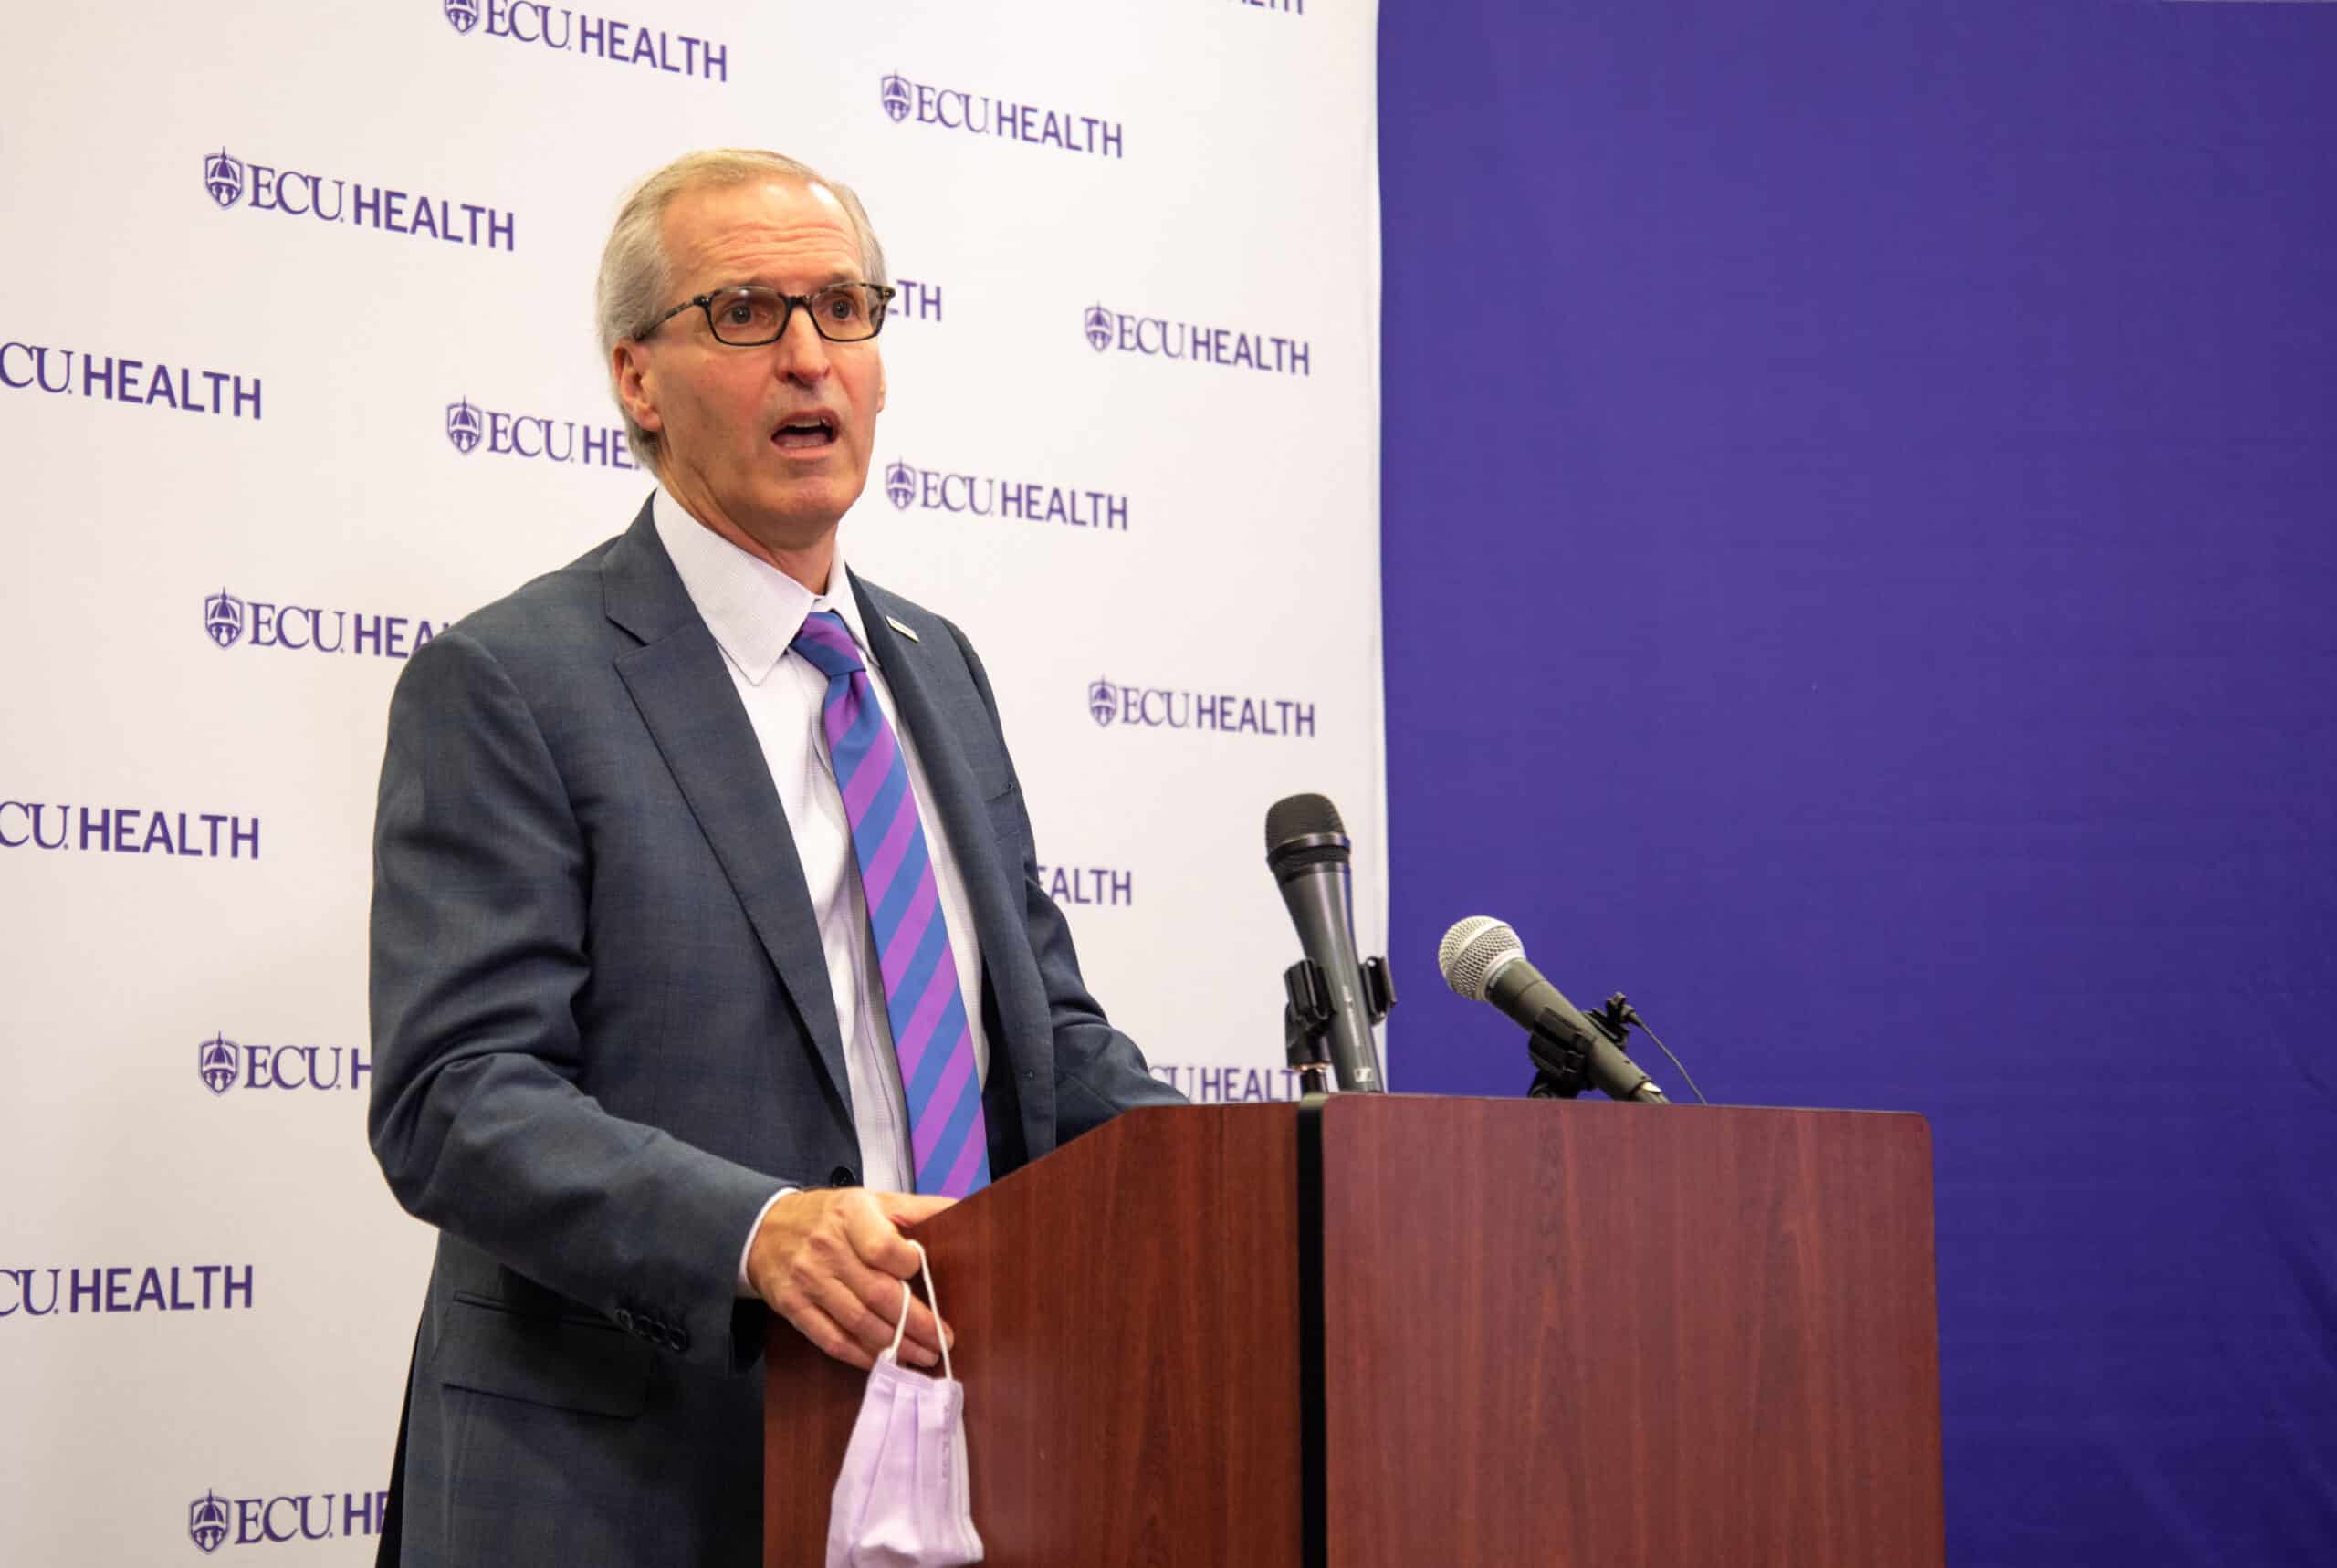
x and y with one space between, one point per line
637 275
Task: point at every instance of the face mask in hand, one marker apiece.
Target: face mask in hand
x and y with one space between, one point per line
903 1501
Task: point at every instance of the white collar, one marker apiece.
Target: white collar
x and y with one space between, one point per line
753 609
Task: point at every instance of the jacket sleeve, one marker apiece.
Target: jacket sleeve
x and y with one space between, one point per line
1099 1071
480 877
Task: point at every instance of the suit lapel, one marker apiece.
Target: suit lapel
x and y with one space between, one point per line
912 671
682 687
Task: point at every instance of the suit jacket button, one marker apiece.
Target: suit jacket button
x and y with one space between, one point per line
843 1175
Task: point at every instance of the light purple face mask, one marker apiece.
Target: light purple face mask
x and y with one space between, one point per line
903 1501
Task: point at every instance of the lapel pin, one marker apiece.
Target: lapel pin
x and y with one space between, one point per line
901 628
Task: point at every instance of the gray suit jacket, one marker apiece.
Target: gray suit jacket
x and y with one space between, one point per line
603 1035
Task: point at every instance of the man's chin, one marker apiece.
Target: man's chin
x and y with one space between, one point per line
800 513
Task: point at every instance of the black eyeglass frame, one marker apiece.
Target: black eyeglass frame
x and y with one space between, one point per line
704 303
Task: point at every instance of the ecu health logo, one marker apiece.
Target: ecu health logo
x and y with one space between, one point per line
222 618
215 1060
223 176
893 93
1103 701
464 426
900 484
462 15
206 1521
1099 322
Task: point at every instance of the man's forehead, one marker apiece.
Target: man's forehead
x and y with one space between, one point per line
778 224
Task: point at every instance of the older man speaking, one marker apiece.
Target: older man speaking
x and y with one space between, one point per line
707 951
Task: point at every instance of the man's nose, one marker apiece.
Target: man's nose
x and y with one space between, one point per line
802 354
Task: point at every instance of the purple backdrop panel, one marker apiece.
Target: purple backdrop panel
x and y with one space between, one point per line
1867 585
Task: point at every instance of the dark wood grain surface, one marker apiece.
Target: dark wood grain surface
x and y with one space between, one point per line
1554 1334
1126 1313
1597 1334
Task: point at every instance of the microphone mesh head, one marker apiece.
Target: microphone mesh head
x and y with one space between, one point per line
1300 817
1472 950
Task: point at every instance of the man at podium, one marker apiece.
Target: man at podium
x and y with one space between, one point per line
707 949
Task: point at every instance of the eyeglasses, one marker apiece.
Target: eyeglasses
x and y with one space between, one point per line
752 314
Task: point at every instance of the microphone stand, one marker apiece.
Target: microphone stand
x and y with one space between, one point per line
1562 1057
1306 1016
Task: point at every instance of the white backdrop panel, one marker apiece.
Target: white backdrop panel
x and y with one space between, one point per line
205 1291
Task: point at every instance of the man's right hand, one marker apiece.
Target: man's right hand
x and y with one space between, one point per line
831 1262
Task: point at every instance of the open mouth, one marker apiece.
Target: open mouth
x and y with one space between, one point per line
806 433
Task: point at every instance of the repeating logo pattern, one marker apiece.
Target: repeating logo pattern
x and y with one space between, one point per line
295 193
501 433
24 366
1158 337
212 1522
980 114
914 300
303 175
206 1521
1110 886
127 831
463 427
1020 500
1221 713
563 29
223 176
309 628
222 618
215 1061
1229 1085
223 1066
74 1292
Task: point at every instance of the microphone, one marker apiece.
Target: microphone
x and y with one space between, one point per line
1308 850
1482 958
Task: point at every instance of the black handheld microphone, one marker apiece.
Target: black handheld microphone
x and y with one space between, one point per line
1482 958
1308 849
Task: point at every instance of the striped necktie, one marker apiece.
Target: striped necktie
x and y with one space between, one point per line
930 1034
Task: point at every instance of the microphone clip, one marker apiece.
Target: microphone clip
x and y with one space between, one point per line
1561 1059
1306 1014
1562 1056
1618 1018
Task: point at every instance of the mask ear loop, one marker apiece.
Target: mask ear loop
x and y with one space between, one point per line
893 1351
901 1329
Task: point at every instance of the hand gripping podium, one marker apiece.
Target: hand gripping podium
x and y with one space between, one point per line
1398 1331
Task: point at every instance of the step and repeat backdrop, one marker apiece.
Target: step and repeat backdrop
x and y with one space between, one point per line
297 367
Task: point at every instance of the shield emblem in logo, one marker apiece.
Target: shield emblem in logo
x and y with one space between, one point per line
900 484
463 427
1099 327
894 95
224 177
206 1521
222 618
462 15
1103 701
215 1063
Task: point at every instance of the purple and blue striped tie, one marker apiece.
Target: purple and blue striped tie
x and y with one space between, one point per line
930 1034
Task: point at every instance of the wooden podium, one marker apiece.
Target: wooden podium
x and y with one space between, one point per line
1398 1331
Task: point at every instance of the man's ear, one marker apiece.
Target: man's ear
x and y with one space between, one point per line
880 387
636 383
